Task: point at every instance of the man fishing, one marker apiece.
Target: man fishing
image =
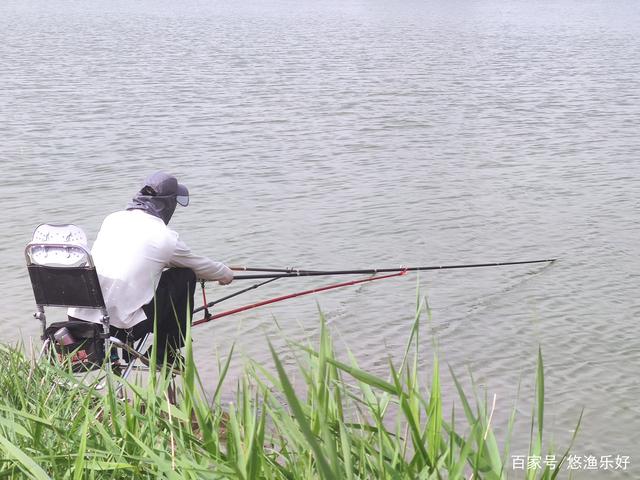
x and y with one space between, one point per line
146 272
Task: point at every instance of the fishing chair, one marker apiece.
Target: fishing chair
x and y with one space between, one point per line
63 274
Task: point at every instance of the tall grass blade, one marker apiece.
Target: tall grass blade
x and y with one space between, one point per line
323 466
80 460
434 414
25 463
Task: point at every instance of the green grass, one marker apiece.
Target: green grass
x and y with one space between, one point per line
338 422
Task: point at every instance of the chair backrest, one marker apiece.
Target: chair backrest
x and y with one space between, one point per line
61 269
56 246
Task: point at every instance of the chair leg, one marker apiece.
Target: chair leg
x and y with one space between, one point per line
107 340
45 349
39 315
172 391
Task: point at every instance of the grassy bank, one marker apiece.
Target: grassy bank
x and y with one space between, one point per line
340 422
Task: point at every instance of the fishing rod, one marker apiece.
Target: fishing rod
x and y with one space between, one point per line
291 295
371 271
291 272
242 268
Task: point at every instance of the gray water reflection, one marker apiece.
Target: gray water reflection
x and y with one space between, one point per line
359 134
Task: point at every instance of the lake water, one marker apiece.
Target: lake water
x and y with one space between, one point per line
360 134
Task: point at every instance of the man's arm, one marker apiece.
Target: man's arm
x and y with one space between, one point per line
204 268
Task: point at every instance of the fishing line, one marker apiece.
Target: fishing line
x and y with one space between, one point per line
477 305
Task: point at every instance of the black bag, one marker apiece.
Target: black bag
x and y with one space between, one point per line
82 343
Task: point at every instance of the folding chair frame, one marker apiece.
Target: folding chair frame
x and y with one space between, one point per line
53 286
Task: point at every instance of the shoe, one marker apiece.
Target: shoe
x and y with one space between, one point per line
175 360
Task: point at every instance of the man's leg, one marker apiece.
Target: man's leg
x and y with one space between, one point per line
171 308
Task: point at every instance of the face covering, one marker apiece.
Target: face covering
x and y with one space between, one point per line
156 205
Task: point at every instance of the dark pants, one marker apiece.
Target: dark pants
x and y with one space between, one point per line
171 308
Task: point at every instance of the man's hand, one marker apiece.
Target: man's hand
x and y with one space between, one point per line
227 279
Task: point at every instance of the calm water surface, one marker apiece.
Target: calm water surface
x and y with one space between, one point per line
360 134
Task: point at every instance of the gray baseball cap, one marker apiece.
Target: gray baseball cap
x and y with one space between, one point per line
162 184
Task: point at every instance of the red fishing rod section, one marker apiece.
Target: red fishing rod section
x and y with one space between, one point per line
294 295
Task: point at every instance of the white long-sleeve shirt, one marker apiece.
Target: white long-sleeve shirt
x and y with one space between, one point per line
130 252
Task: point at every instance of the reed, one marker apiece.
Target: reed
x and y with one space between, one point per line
338 422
